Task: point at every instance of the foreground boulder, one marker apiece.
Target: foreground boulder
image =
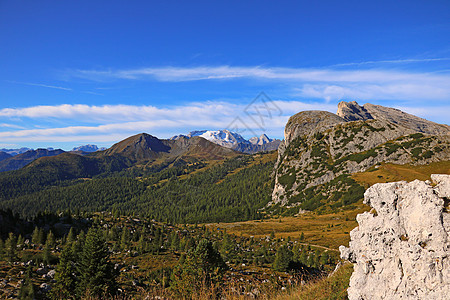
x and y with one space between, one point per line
402 249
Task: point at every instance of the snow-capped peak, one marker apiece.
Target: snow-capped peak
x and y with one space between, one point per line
224 138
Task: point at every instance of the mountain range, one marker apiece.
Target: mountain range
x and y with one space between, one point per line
13 159
9 163
235 141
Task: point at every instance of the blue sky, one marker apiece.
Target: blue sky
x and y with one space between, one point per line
78 72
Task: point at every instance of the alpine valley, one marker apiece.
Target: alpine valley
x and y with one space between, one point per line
273 212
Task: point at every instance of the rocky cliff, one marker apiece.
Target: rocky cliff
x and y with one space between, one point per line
321 150
401 249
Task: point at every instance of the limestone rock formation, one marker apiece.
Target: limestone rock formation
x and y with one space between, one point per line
309 122
351 111
403 250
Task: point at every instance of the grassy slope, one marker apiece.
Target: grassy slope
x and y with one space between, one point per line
393 172
328 231
333 287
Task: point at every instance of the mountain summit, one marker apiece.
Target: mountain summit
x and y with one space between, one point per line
352 111
234 140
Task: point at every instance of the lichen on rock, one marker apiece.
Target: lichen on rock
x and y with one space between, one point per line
402 252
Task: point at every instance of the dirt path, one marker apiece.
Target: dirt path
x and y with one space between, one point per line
318 246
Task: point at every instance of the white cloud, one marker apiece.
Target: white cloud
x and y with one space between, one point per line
111 123
323 83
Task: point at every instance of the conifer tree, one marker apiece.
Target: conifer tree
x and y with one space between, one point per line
303 258
35 236
125 239
202 267
46 255
11 247
41 236
27 289
71 236
142 245
96 272
283 259
20 240
51 242
2 248
65 276
175 243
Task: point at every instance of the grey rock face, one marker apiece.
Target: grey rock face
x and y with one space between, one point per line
309 122
402 252
351 111
407 120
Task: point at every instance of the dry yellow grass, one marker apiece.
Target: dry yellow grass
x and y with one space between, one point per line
329 231
392 172
333 287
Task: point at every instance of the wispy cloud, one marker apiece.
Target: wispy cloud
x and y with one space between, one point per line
392 61
43 85
6 125
324 83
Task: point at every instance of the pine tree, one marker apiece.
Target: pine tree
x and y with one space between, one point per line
51 242
41 236
27 289
227 247
2 248
175 243
142 245
35 236
65 276
202 267
125 239
324 258
71 236
46 255
303 258
20 240
11 247
96 272
283 259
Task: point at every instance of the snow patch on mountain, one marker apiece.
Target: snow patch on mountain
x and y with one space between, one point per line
88 148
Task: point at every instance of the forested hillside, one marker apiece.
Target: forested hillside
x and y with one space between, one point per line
175 191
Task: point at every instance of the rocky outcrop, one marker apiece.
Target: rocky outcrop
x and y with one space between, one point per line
402 249
352 111
308 123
